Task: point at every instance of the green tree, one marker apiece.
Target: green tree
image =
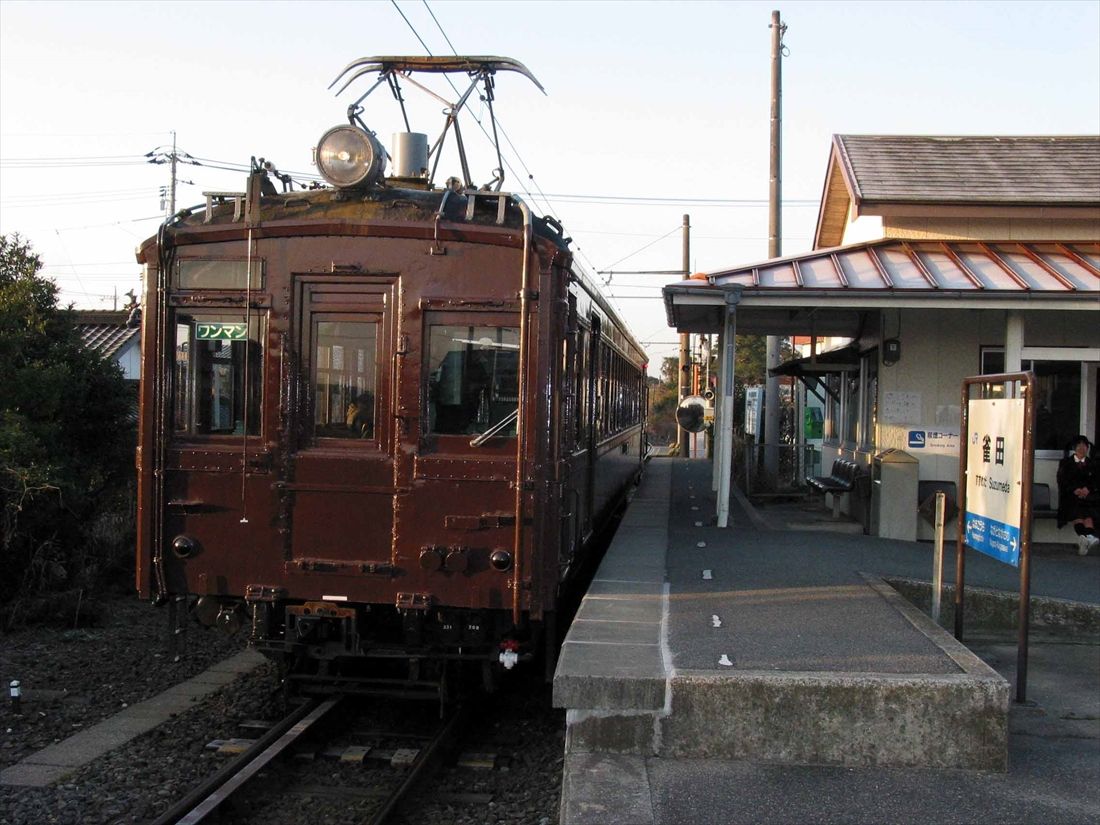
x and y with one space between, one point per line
663 398
66 441
750 369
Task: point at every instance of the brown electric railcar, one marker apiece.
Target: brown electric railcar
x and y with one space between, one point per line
380 422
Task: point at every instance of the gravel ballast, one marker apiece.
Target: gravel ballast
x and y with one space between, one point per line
74 679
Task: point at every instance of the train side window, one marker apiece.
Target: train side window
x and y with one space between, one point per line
218 374
472 378
345 377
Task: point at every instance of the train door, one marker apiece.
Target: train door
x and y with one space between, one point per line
340 487
462 502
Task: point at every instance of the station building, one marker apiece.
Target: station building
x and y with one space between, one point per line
937 258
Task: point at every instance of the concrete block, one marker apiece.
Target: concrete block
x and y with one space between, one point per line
609 677
210 680
32 776
605 789
614 632
619 589
612 731
839 719
623 610
83 747
243 662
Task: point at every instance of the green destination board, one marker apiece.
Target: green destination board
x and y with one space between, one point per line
221 332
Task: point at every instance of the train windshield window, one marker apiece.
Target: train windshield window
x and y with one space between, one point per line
218 374
472 379
344 378
207 274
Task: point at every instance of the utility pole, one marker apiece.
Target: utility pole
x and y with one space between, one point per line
172 190
775 247
685 342
157 156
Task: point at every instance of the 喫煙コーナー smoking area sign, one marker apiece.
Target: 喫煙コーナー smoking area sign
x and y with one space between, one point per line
994 477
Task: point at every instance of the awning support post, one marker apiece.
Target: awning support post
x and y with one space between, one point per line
724 455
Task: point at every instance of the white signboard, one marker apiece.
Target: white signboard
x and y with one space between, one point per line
994 473
939 440
754 408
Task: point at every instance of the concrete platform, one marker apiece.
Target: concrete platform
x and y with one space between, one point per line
772 645
56 761
695 642
1053 775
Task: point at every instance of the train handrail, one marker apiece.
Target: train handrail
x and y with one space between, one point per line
496 428
521 410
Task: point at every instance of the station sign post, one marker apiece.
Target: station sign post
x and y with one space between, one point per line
995 474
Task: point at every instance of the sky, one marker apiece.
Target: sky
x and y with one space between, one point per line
652 110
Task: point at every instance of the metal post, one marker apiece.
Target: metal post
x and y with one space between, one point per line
724 456
685 340
1025 538
719 428
960 529
937 559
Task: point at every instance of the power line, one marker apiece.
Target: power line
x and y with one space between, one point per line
413 28
662 199
449 43
76 201
97 225
80 164
647 246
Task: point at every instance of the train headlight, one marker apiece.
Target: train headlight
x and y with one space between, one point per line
347 156
501 560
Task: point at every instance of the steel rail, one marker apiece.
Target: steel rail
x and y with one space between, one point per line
214 791
424 759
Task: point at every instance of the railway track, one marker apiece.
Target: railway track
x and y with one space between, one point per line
329 751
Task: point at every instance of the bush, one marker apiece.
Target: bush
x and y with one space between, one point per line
66 443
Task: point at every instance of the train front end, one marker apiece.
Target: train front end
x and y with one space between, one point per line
347 429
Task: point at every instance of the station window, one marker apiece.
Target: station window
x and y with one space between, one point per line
472 379
345 378
218 374
1058 388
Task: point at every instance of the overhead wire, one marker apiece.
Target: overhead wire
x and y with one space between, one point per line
620 200
546 206
643 248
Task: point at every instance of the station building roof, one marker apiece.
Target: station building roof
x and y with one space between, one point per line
923 175
825 291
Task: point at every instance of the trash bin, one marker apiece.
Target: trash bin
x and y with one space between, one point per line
894 479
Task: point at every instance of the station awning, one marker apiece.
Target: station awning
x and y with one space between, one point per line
830 291
844 359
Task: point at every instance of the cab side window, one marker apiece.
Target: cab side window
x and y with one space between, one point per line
218 374
472 378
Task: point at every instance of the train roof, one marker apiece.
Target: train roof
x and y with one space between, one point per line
396 203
